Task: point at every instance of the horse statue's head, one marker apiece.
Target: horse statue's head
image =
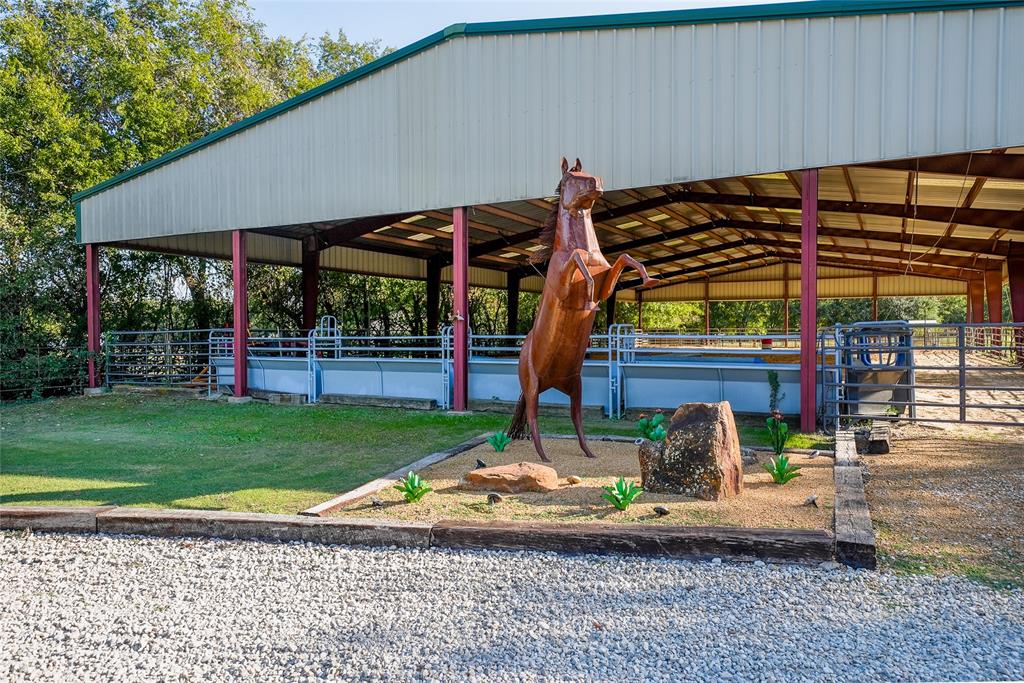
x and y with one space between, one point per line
578 190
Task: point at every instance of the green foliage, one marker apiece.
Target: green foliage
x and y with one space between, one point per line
91 89
778 432
622 494
774 391
498 441
412 488
781 470
652 427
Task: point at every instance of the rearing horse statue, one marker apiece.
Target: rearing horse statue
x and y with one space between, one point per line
578 278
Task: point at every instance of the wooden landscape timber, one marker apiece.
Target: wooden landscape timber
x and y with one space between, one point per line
855 535
689 542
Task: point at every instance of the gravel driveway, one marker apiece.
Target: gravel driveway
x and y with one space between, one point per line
121 608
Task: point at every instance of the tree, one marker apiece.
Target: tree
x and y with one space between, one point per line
90 88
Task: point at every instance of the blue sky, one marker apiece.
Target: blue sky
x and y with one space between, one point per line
400 22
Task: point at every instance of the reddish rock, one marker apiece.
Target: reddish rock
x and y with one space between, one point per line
700 456
517 478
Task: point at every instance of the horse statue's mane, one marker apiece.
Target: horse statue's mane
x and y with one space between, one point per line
548 229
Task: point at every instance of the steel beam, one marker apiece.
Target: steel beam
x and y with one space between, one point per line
988 218
92 311
917 259
310 282
1002 166
667 275
887 268
343 234
460 306
808 300
240 297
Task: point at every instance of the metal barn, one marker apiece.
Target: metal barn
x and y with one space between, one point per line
804 150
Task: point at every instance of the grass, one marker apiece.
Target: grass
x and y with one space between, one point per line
146 451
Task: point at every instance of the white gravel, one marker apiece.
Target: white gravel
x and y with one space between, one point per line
121 608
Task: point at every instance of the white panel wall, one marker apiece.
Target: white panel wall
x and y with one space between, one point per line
485 119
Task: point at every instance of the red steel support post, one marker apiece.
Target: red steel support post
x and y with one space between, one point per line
874 297
92 310
785 301
310 282
460 306
809 300
433 296
707 309
1015 268
976 294
512 320
994 295
240 281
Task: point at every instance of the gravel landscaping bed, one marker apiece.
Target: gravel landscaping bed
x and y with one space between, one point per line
126 608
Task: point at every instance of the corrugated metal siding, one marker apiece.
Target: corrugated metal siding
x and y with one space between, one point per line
484 119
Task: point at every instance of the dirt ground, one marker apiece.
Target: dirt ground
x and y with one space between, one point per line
950 500
762 504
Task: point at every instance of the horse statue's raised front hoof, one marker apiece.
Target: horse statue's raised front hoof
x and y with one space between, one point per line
578 279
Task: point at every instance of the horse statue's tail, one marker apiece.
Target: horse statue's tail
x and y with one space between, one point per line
517 430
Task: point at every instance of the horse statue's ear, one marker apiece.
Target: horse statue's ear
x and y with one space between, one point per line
565 165
578 167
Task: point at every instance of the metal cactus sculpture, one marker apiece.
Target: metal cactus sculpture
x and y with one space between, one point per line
578 279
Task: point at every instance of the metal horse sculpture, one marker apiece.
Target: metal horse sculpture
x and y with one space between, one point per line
578 278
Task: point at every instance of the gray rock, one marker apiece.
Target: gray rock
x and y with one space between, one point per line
661 511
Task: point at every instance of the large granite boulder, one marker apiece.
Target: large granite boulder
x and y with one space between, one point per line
516 478
700 457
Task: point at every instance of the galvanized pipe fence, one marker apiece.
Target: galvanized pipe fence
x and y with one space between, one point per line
922 372
928 372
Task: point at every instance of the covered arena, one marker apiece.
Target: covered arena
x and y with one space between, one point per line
795 151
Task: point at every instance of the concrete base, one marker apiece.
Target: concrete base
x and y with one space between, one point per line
279 398
458 412
543 409
95 391
379 401
239 399
156 390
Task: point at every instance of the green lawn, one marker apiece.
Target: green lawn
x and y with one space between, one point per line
177 452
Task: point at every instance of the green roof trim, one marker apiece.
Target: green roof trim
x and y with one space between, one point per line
788 10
